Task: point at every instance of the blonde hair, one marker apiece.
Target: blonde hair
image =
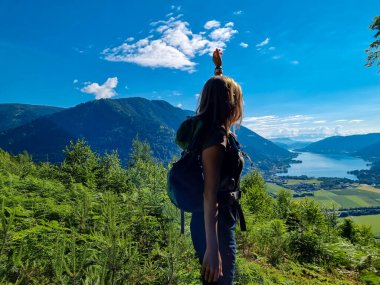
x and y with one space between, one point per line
221 102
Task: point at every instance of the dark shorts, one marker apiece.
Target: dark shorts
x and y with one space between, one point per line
226 236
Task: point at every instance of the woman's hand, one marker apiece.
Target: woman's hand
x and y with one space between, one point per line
212 265
217 57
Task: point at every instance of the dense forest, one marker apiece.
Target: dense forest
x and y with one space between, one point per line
89 220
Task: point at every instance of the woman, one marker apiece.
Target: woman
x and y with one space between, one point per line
212 230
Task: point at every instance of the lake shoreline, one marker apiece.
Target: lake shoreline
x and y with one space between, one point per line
325 165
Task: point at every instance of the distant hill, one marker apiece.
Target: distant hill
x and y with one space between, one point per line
260 147
343 144
13 115
289 143
112 124
370 152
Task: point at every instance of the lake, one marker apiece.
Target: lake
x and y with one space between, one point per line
325 165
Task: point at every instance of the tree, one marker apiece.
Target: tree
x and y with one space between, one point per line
254 196
110 175
373 52
140 151
80 162
283 202
348 230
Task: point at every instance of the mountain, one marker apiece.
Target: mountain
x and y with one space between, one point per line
289 143
370 152
108 124
343 144
13 115
259 147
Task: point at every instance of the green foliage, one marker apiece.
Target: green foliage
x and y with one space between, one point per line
270 239
254 198
348 230
140 151
283 203
305 245
373 52
110 174
355 233
80 163
89 220
331 222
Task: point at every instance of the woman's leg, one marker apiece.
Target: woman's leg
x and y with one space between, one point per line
227 242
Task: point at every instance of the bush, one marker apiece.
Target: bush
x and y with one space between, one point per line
270 239
305 245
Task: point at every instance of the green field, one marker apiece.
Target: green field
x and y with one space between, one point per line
344 198
274 188
297 181
348 198
372 220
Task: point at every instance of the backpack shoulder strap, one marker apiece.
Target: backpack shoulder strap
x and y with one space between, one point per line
197 129
235 144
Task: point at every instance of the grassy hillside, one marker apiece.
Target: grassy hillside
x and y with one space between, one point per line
88 220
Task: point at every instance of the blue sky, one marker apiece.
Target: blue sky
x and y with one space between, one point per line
300 63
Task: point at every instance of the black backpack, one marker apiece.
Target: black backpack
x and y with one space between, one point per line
185 178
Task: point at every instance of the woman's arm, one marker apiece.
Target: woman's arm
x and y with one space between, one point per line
212 158
217 59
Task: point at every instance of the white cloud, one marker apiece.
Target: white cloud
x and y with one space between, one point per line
176 93
211 24
272 48
276 57
223 34
244 45
300 127
175 47
239 12
75 81
173 7
295 62
126 87
260 119
130 39
263 43
179 105
197 95
293 118
106 90
155 54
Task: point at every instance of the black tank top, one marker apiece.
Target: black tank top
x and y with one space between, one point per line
232 160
